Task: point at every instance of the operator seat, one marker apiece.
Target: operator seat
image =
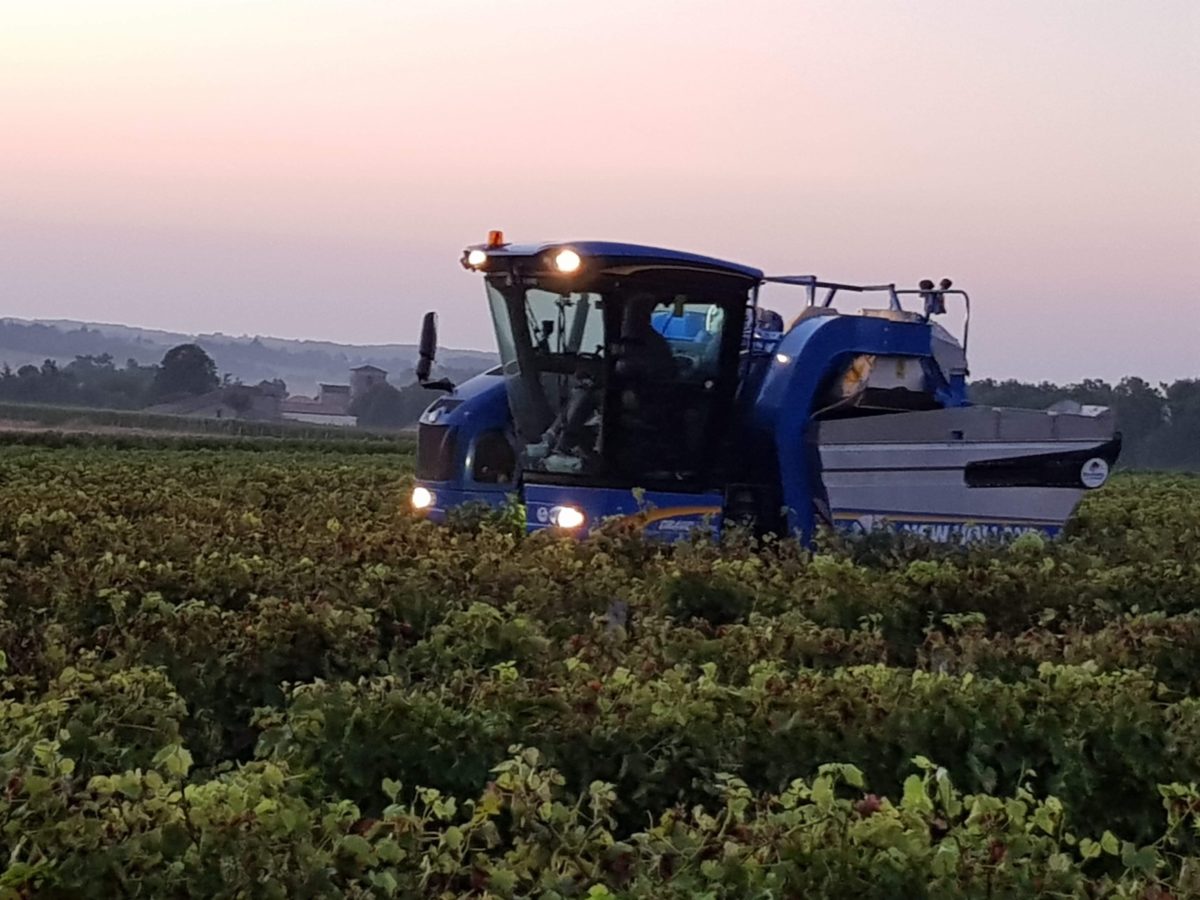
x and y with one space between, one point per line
645 355
647 375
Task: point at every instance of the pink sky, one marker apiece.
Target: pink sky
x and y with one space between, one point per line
312 169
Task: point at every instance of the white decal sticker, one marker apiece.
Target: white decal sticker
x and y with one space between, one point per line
1094 472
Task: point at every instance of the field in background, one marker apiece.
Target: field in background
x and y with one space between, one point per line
26 417
255 671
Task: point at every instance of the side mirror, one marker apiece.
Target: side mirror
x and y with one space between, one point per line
428 346
426 351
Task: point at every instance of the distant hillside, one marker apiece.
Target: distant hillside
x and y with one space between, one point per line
302 364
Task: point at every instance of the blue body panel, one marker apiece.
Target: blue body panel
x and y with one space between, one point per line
658 514
478 405
688 327
450 495
782 410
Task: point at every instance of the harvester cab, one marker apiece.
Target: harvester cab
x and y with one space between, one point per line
648 384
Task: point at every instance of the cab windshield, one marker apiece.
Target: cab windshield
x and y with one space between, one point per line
627 382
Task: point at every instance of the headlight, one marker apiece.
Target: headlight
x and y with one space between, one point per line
422 498
567 261
567 517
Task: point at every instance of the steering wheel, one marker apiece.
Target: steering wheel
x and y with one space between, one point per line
588 362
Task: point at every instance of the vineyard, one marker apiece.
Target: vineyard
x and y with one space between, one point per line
251 672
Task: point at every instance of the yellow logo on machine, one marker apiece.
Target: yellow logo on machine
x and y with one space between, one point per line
674 518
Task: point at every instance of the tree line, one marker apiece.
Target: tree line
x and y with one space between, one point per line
97 381
306 363
1159 424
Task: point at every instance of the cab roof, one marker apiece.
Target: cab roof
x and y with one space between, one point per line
625 253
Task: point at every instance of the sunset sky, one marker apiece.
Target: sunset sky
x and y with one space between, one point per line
313 169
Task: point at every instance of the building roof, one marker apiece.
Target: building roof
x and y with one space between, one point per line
301 403
369 368
313 415
335 388
338 404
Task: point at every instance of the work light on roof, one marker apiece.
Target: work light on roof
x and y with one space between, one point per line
567 261
476 258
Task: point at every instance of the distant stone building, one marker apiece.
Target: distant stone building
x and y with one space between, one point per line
363 378
266 401
331 406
